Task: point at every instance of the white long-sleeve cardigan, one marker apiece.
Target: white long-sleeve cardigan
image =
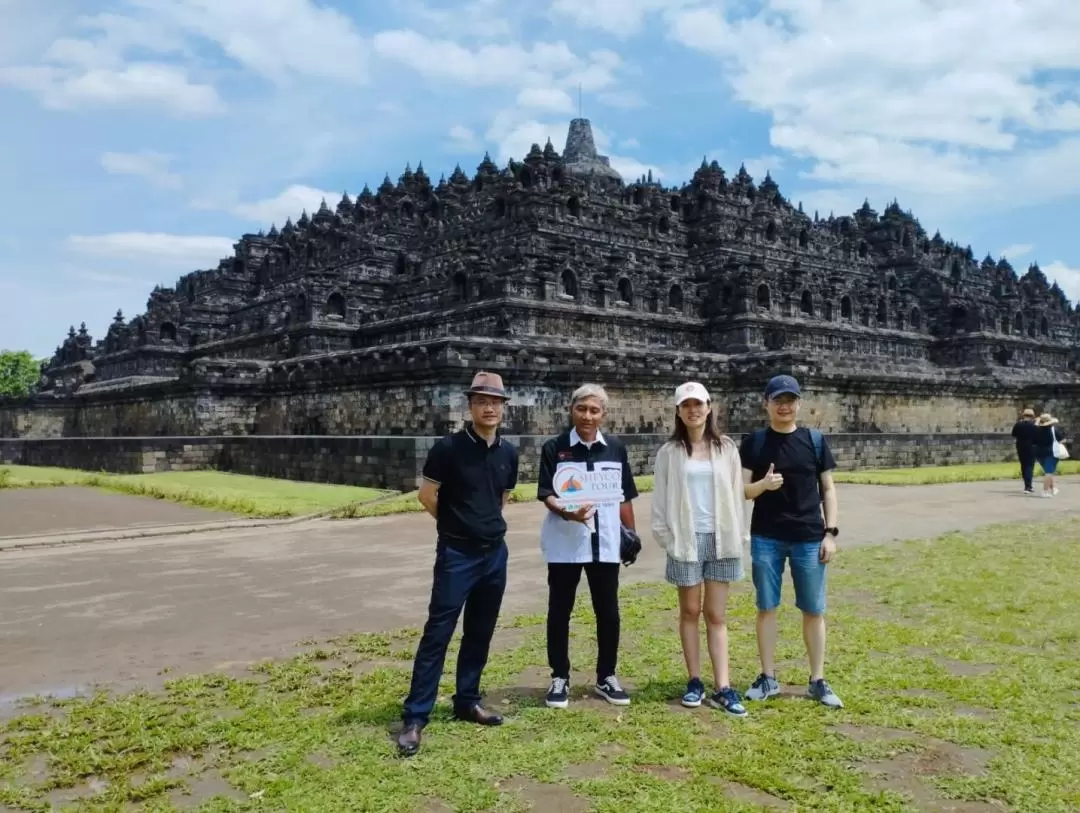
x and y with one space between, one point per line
672 522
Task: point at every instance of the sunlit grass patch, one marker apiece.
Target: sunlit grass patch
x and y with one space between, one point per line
221 491
957 660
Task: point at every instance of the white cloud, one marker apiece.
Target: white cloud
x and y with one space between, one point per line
165 87
623 18
149 165
479 19
289 203
899 105
1016 251
762 165
490 65
1068 278
548 100
171 249
275 38
463 140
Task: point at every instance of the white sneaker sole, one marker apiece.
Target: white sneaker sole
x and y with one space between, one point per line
557 704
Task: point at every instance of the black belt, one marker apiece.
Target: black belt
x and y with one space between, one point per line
471 545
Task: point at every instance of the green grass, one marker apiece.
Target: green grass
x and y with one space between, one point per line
407 503
933 475
268 497
236 493
311 733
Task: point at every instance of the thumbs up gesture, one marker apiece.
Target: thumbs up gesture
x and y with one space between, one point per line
772 479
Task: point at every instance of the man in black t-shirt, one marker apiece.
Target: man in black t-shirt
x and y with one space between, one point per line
468 477
787 470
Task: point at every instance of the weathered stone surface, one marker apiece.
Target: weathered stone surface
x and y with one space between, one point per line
369 318
396 462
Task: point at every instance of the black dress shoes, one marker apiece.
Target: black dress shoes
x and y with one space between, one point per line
479 715
408 741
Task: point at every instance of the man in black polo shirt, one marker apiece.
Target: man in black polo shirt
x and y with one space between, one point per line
1024 432
467 480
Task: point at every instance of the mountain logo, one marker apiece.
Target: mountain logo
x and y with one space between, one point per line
570 480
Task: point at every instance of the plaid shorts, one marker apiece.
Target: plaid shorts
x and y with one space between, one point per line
706 568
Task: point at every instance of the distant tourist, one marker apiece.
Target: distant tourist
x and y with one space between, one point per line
1024 432
586 483
1049 448
788 473
699 518
467 480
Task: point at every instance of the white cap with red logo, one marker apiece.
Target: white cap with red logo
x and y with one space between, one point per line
691 389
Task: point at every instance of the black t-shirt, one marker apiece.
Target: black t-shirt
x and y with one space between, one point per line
1025 433
472 478
792 513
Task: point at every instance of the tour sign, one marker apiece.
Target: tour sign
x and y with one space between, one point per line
575 485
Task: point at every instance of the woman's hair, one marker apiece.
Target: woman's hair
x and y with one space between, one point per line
712 434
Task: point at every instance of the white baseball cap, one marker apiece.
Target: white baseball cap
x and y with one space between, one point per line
691 389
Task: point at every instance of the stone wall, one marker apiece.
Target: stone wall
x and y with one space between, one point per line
396 462
417 391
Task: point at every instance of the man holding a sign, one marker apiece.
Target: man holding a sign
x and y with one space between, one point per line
586 483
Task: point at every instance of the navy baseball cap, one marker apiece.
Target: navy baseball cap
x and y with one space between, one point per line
781 384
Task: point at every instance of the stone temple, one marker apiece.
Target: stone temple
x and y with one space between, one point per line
367 319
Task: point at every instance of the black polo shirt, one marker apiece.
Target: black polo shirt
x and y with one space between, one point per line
472 478
568 446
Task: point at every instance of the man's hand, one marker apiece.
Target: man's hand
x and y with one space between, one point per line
827 550
772 480
583 514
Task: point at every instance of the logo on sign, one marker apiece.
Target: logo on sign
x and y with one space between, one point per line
571 481
576 485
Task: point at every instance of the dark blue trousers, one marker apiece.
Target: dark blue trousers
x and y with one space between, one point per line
1027 470
471 581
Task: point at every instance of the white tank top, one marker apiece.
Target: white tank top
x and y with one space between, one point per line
702 492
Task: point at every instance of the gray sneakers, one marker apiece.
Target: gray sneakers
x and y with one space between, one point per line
821 691
763 688
766 686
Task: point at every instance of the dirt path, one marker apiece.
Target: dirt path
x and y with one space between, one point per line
26 511
120 612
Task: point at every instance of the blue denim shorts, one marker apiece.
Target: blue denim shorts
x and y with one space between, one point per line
807 573
1049 464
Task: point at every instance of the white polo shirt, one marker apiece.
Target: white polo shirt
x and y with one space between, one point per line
567 541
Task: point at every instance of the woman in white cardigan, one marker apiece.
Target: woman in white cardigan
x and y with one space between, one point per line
698 517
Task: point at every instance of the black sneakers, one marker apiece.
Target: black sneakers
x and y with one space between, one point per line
558 696
612 692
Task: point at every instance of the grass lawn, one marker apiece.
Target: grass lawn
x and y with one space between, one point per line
958 661
237 493
931 475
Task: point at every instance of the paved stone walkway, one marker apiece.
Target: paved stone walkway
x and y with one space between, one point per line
26 511
119 612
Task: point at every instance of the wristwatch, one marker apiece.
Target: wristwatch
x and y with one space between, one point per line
832 531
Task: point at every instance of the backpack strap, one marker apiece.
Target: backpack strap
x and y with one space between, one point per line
819 442
757 443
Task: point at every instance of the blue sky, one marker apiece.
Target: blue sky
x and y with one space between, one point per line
142 137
